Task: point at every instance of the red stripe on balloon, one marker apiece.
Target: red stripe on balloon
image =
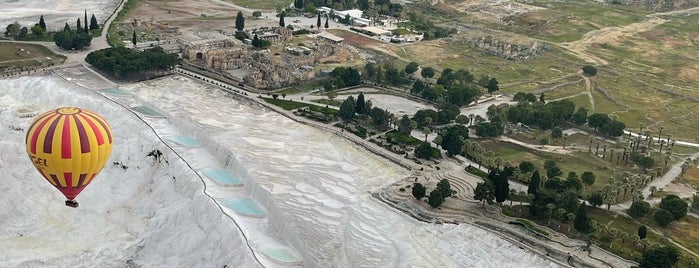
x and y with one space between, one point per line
84 140
48 140
103 124
95 129
55 180
81 181
65 139
37 131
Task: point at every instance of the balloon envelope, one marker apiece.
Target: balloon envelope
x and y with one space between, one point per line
69 146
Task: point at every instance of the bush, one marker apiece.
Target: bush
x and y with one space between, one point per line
419 190
675 205
639 209
257 14
589 70
662 217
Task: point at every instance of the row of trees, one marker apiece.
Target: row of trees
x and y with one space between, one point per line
16 31
123 62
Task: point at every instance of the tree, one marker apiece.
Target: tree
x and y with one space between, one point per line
675 205
436 198
257 13
596 199
240 21
588 178
347 109
582 222
87 29
93 23
452 143
79 28
427 72
598 120
23 33
492 85
444 187
298 4
580 116
326 23
37 31
589 70
556 133
281 19
526 166
256 42
424 151
639 209
695 202
534 183
502 186
662 217
411 67
484 192
133 38
661 257
13 29
419 190
360 107
642 231
42 23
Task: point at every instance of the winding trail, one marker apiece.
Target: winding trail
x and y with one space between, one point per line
580 47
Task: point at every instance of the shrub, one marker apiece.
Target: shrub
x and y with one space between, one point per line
639 209
662 217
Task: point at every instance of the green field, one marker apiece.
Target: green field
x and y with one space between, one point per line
27 55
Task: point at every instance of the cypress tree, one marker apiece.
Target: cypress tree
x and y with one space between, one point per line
326 23
93 23
318 22
42 24
133 38
582 222
281 20
85 21
360 107
79 28
534 183
239 21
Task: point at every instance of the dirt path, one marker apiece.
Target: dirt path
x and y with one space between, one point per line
604 35
588 90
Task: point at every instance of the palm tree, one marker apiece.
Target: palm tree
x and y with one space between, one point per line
426 131
623 236
634 241
550 207
561 216
614 233
427 121
571 218
513 192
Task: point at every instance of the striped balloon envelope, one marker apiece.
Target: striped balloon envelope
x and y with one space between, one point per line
69 147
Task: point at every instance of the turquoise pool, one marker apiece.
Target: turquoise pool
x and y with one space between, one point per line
115 91
244 206
283 255
184 140
222 176
147 111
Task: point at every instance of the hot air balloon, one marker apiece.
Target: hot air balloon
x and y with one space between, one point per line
69 146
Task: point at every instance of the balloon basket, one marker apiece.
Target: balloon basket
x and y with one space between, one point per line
72 203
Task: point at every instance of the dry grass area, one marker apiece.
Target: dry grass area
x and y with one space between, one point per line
26 55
